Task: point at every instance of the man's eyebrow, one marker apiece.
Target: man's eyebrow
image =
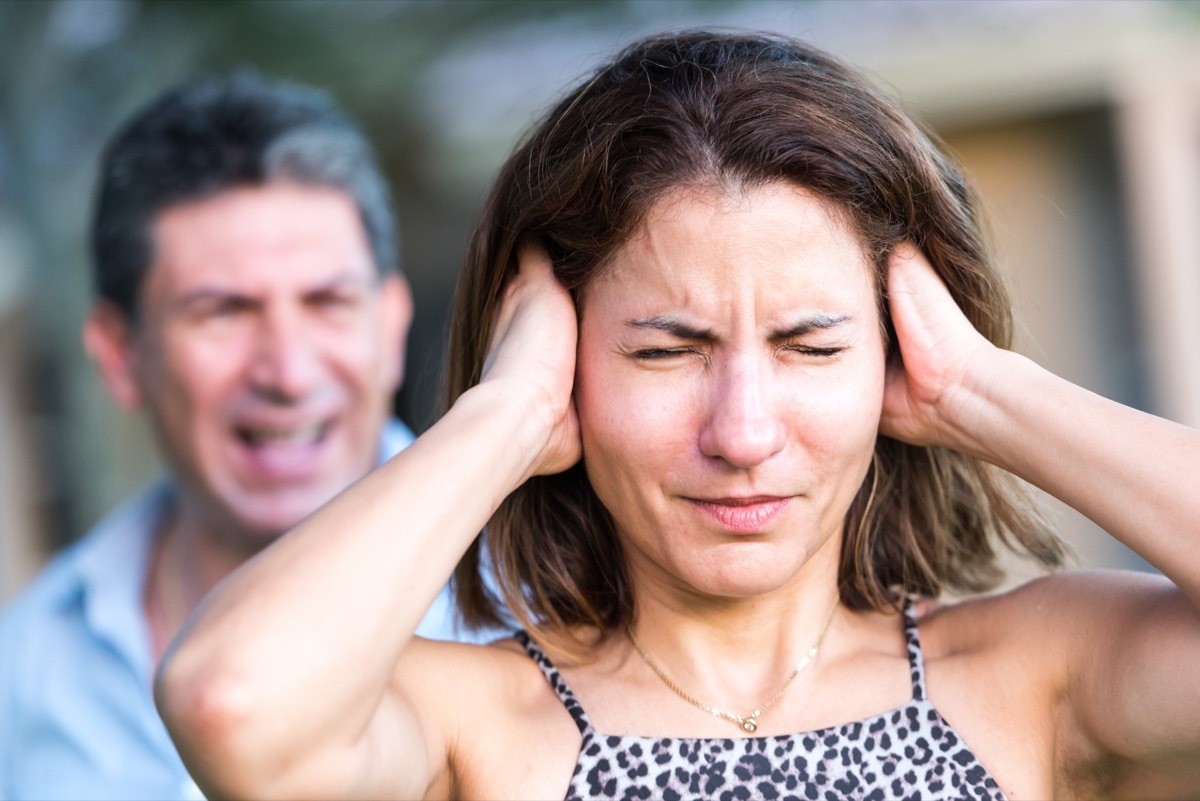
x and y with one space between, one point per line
337 283
204 294
672 326
810 323
341 283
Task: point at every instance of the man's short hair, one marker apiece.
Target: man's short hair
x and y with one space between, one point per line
218 133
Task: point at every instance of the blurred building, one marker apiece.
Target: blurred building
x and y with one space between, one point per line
1078 120
1080 125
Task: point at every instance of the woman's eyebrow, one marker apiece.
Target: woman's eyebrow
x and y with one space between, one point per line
812 322
681 330
672 326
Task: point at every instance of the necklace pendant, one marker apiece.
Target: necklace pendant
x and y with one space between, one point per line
750 725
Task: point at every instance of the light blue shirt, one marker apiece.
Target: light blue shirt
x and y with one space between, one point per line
77 720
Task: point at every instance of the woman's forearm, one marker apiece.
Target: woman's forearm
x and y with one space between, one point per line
1132 473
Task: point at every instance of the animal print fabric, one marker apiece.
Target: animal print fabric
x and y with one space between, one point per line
909 753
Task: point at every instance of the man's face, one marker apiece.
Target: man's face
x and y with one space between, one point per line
266 353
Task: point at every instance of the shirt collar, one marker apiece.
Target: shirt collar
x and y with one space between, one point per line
112 571
394 438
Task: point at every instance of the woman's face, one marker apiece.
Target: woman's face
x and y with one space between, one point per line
729 386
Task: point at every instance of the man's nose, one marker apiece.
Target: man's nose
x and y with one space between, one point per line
742 426
286 364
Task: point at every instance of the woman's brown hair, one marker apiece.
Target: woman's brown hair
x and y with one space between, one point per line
733 110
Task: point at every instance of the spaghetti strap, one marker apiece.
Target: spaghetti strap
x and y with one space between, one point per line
556 680
916 661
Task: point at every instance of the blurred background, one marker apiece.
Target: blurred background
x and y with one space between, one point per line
1079 120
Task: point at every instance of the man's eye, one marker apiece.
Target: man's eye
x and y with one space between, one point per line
225 309
333 301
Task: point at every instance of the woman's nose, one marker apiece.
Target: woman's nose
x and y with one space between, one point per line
742 425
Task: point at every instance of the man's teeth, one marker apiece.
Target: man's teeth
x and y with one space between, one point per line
304 435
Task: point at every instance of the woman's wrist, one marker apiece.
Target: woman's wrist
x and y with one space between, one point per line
981 416
523 420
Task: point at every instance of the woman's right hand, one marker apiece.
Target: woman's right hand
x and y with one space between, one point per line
532 354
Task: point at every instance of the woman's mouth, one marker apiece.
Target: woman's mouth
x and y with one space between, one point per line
743 515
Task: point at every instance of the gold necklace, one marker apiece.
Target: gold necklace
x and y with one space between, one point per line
748 723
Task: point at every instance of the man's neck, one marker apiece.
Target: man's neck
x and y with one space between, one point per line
186 561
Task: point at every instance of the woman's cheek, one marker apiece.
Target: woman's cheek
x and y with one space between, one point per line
645 413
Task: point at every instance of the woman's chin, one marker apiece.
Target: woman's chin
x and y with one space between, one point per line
747 576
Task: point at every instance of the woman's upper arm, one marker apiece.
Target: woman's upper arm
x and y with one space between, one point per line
401 752
1132 684
444 699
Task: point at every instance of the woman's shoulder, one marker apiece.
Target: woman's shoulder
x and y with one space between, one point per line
494 707
1017 671
497 675
1060 610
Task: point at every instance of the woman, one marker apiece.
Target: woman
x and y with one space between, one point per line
731 425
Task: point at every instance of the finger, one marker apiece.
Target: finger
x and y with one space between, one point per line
921 305
532 262
910 275
533 258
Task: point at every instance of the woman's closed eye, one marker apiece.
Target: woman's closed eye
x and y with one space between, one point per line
823 352
652 354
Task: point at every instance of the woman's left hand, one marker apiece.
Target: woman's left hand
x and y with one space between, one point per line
532 351
931 390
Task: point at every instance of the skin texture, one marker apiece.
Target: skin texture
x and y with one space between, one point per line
1069 687
265 355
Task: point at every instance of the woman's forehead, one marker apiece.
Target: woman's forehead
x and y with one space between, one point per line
711 245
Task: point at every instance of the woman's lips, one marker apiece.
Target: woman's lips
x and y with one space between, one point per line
743 515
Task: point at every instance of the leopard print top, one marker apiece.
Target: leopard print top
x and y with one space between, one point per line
907 753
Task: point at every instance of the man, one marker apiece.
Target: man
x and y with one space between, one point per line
250 304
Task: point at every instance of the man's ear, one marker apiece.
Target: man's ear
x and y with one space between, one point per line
396 309
108 338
